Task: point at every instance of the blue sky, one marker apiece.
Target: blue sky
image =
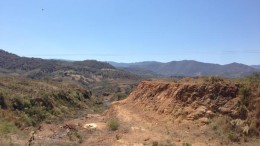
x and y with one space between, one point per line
215 31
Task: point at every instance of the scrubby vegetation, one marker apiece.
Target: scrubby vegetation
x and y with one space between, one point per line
7 127
118 96
28 103
113 125
186 144
75 136
246 124
155 143
51 91
82 72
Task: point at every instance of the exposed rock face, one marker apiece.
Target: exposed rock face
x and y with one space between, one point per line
186 101
211 108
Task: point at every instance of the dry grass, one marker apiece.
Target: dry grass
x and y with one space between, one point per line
29 103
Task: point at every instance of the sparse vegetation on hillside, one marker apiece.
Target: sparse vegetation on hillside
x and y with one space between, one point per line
60 90
84 73
7 127
29 103
247 123
230 106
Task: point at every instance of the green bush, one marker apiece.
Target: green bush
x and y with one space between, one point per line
245 91
186 144
75 136
113 125
118 96
7 127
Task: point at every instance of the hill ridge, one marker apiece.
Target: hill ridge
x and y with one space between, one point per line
87 71
188 68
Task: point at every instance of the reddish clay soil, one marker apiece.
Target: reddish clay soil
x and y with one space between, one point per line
157 112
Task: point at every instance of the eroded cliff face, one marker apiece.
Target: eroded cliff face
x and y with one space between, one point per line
186 101
200 111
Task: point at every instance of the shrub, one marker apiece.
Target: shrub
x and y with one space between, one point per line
117 137
113 125
155 143
118 96
3 103
242 111
245 91
18 103
74 135
37 114
215 127
233 137
186 144
7 127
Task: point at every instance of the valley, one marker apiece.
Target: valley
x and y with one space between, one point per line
129 73
92 103
197 112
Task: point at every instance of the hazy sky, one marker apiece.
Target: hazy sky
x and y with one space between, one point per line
216 31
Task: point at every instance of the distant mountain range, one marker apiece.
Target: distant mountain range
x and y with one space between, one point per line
187 68
84 72
256 66
91 71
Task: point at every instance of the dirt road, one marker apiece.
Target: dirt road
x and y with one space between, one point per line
137 128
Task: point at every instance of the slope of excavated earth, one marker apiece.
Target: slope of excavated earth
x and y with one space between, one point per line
183 101
179 113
